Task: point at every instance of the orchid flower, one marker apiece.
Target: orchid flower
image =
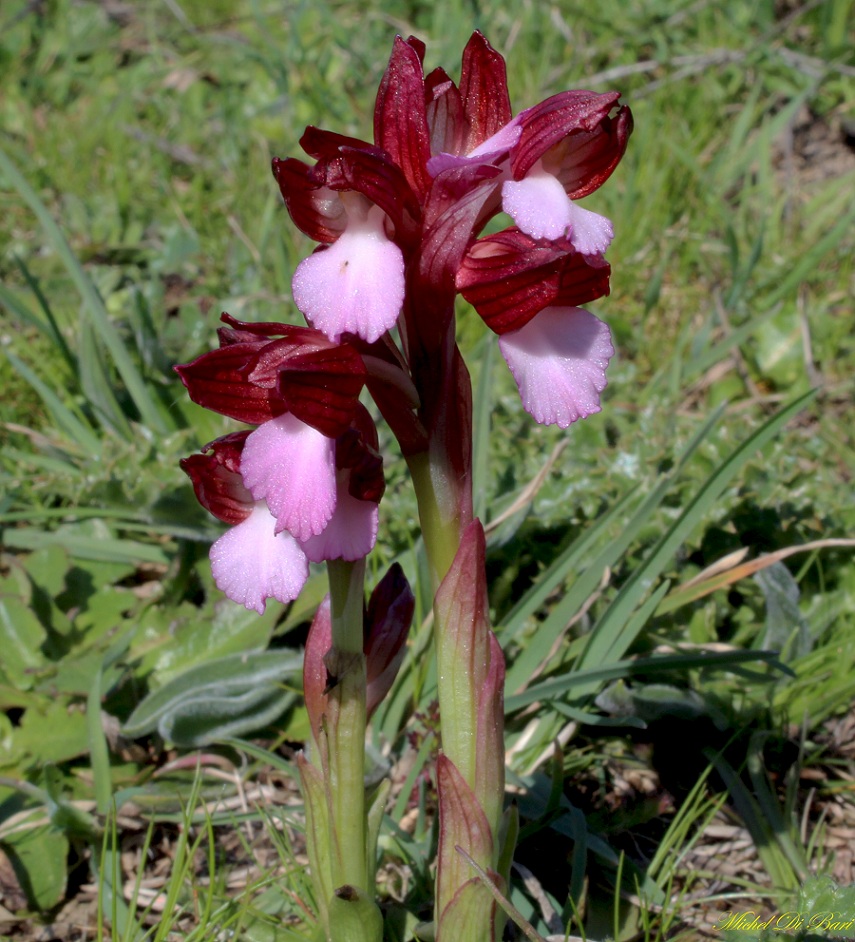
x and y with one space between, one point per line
289 483
568 147
356 202
251 562
528 290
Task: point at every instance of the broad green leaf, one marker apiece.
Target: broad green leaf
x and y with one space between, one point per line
786 626
47 568
820 894
212 718
12 697
21 638
40 858
779 353
226 697
173 640
101 611
651 702
55 732
11 753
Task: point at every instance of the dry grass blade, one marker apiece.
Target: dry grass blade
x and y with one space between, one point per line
714 578
528 493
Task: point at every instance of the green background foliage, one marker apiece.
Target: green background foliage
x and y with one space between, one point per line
137 203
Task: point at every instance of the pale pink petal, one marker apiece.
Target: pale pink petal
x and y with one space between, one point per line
590 233
291 466
351 532
538 204
559 362
251 563
541 209
356 285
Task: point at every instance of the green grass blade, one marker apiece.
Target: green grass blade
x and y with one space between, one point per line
774 860
55 333
105 549
556 687
80 434
809 262
48 327
607 641
99 756
94 306
698 365
538 647
559 569
95 380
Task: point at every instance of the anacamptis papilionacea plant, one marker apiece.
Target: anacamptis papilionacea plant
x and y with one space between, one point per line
398 224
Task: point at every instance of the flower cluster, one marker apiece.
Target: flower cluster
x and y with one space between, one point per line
399 224
305 484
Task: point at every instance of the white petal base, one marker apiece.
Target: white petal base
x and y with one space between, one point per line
356 285
542 210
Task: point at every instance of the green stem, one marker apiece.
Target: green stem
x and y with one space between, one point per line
454 683
346 726
441 534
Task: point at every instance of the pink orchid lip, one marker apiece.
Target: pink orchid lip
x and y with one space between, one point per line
251 563
351 531
540 207
291 466
559 362
355 285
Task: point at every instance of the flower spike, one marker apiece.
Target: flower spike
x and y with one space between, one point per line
398 227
